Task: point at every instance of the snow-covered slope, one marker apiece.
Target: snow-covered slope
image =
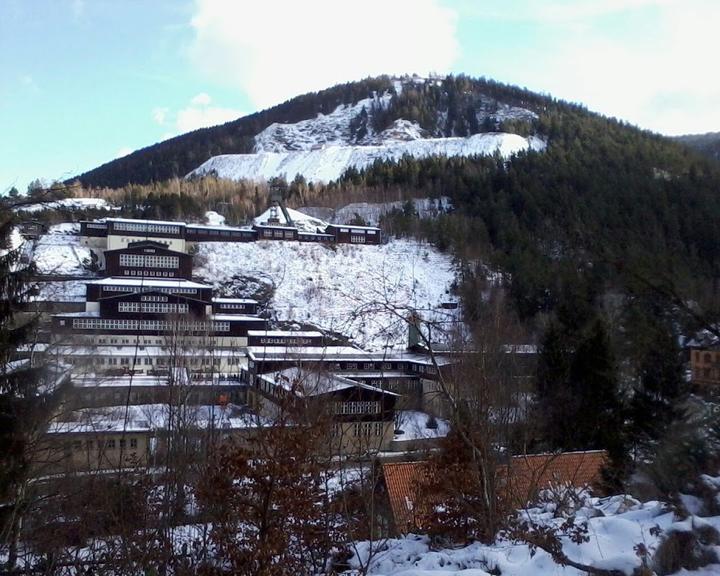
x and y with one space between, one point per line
616 527
322 148
69 204
329 163
372 211
343 288
60 252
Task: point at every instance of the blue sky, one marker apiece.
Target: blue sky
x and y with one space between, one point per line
86 81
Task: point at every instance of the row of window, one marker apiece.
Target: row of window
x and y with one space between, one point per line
360 429
158 325
358 407
153 298
150 273
173 290
143 227
153 308
287 234
355 239
111 444
149 261
161 361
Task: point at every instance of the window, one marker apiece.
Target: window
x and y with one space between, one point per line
357 238
152 308
363 407
367 429
147 261
146 227
133 443
110 444
122 444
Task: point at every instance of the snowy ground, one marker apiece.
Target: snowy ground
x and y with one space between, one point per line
59 251
346 288
70 204
414 425
616 525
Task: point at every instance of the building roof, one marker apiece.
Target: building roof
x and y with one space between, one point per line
237 317
338 353
308 383
234 301
152 417
288 333
352 227
146 244
524 476
140 221
148 282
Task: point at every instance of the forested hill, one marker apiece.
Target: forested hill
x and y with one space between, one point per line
456 106
707 144
178 156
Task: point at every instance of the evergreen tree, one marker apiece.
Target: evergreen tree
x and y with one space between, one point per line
19 403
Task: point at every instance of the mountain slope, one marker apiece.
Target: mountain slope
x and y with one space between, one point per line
330 163
707 144
375 111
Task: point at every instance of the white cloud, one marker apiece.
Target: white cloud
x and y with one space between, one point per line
159 115
124 151
274 50
645 61
197 114
194 117
202 99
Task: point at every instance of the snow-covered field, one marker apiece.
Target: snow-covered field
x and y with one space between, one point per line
59 251
326 164
345 288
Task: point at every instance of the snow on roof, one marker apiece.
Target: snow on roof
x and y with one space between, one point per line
269 353
352 227
148 282
139 221
150 417
288 333
234 301
237 317
312 383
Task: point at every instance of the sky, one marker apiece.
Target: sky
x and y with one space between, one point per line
87 81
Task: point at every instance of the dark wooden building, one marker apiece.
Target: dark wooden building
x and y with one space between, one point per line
149 259
346 234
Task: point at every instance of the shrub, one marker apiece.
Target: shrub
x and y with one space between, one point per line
689 550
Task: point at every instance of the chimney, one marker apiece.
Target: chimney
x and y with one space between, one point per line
414 321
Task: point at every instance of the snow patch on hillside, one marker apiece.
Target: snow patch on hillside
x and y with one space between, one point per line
372 212
60 252
69 204
329 163
343 288
332 129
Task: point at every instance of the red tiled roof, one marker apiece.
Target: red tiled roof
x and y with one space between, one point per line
524 476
